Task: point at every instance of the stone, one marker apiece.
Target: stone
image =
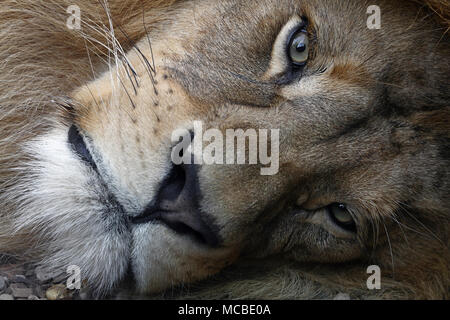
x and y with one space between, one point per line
44 276
18 278
342 296
6 297
20 285
2 283
57 292
33 297
19 291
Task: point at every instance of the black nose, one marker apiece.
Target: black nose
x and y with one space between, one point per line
177 206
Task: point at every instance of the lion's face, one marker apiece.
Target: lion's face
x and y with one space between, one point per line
357 161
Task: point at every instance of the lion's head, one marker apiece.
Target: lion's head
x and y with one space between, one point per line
352 133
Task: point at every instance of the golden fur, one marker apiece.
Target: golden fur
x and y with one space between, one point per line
392 164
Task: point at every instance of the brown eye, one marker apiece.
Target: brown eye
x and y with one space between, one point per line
299 48
342 217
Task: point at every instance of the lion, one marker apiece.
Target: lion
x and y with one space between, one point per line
92 92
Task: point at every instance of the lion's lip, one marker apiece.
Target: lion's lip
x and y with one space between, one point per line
198 232
176 206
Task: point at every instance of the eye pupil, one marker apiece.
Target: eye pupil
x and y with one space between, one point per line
301 47
342 217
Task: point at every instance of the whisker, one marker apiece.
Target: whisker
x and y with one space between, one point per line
120 54
151 71
93 97
131 80
94 76
149 42
375 236
126 91
390 248
430 232
401 225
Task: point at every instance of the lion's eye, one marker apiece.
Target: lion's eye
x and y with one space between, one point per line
342 217
299 48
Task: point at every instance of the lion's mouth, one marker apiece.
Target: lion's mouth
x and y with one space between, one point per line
176 206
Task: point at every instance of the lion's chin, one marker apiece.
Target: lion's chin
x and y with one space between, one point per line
161 259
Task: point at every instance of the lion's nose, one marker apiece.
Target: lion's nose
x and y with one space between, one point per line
177 206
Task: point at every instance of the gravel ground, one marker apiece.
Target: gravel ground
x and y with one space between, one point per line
23 282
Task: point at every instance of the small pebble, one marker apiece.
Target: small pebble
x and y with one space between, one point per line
57 292
33 297
19 291
44 276
20 285
19 279
6 297
342 296
2 283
